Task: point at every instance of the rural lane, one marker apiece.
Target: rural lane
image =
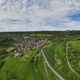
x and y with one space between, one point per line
69 62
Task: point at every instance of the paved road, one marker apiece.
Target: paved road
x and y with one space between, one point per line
57 74
69 62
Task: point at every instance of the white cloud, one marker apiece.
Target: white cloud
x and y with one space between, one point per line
38 15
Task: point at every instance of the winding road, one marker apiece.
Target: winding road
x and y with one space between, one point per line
69 62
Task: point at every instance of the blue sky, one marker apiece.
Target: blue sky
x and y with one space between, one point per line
39 15
75 16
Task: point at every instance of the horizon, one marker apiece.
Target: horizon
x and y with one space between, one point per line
39 31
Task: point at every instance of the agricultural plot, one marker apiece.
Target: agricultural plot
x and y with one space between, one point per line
56 56
23 68
20 69
73 52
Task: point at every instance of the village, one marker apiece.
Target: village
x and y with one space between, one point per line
29 44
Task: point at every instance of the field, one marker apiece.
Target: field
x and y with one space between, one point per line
40 56
74 55
19 69
56 55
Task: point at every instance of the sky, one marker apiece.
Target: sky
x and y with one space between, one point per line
39 15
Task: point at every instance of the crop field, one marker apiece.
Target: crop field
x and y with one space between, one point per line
40 55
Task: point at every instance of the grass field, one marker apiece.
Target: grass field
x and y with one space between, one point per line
74 55
62 53
21 68
56 55
18 69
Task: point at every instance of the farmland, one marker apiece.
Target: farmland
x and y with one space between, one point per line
40 55
19 69
74 55
56 55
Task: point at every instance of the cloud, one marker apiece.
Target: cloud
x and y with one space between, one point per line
38 15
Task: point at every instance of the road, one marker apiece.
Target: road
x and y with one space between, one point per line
56 73
69 62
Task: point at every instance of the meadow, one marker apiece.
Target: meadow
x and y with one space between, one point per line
61 53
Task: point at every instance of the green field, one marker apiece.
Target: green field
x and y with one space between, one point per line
56 55
18 69
59 58
74 55
21 68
